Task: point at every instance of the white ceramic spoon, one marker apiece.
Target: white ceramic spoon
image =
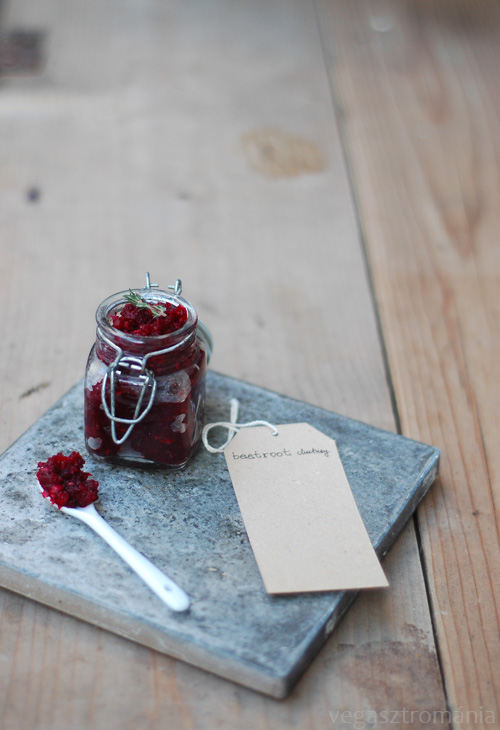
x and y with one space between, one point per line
164 587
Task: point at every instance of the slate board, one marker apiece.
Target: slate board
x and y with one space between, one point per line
189 524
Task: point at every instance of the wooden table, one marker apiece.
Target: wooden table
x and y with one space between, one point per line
324 177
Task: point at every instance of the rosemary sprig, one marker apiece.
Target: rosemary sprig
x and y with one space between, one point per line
135 299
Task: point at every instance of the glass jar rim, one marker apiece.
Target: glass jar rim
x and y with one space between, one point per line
112 302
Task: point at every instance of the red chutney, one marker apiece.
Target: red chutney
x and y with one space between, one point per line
147 368
64 483
152 320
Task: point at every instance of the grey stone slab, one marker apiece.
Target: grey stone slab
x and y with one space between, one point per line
189 524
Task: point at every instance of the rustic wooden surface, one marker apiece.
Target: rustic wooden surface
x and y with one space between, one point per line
421 107
323 176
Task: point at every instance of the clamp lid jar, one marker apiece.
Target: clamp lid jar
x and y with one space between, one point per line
145 379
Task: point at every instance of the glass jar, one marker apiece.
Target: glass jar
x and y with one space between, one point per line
145 395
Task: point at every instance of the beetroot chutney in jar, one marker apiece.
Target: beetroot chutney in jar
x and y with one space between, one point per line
145 379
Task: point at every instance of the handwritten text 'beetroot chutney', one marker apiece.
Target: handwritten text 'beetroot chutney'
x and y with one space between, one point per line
145 379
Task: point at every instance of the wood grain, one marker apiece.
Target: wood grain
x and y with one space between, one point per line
136 137
418 89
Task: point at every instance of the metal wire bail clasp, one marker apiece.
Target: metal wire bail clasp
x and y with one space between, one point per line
145 378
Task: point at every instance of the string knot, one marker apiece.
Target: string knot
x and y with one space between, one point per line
232 426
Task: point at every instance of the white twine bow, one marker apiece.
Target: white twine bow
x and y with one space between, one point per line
232 428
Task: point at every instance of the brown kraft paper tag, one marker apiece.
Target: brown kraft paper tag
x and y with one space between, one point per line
299 512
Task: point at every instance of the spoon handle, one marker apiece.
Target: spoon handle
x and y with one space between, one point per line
164 587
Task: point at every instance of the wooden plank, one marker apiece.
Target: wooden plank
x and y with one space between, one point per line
198 141
418 88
